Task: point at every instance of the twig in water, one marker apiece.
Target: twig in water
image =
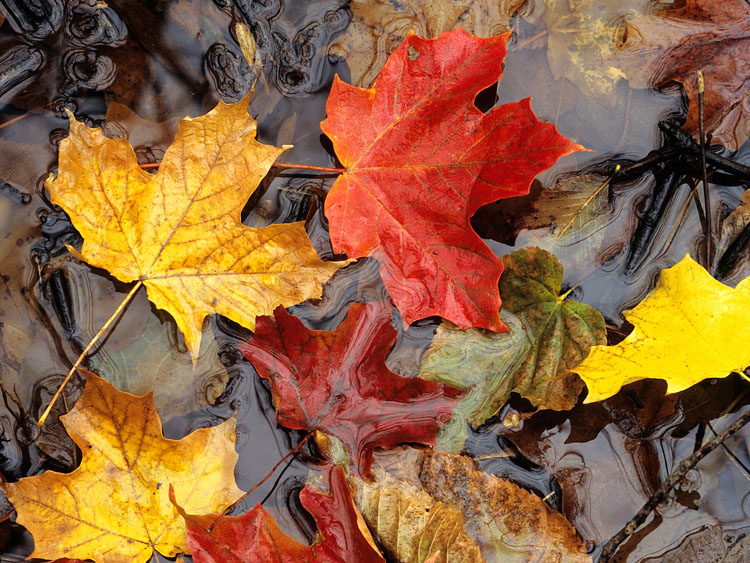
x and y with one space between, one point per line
708 231
675 477
229 508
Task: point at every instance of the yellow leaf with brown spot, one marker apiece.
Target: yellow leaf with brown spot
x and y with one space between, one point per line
179 231
689 328
115 508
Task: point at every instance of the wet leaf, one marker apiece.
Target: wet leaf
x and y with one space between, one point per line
560 331
689 328
675 42
179 231
114 507
582 39
481 361
379 26
420 159
422 502
337 382
255 536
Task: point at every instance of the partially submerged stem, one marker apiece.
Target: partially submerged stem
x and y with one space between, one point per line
229 508
674 478
152 165
709 233
90 345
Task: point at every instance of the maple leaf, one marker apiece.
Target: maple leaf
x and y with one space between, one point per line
377 27
423 502
675 42
337 382
689 328
548 335
179 231
114 508
255 536
419 160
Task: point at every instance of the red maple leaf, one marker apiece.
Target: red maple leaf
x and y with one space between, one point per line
337 382
255 536
420 159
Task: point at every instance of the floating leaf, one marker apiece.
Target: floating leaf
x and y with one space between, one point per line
114 508
337 382
420 159
423 502
255 536
179 231
689 328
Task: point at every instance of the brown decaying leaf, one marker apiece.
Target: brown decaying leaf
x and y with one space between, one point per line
674 43
380 25
179 231
114 508
423 502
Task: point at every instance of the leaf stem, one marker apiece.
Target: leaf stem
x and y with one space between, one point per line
229 508
90 345
152 165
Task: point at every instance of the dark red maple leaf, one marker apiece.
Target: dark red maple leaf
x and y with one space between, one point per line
337 382
255 536
420 159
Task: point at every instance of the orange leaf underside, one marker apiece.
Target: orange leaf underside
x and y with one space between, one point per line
420 159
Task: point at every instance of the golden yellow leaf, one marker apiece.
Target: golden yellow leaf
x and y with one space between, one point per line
179 231
114 508
379 26
689 328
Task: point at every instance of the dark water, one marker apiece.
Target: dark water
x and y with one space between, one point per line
139 67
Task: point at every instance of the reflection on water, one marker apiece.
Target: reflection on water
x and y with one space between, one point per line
138 67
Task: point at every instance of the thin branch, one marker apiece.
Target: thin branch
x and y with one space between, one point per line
229 508
675 477
90 345
709 232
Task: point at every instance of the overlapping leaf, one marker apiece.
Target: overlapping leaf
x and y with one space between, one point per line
424 504
255 536
420 159
689 328
179 231
337 382
114 508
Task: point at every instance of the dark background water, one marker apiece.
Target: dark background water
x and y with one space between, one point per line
137 67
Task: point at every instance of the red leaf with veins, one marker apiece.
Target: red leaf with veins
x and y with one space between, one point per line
337 382
255 536
420 159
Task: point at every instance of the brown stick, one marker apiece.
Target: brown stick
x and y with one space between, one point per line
709 232
675 477
229 508
90 345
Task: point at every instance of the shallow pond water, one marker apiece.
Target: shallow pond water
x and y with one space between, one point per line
137 67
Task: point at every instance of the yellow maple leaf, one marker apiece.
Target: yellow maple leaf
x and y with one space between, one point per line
179 231
115 508
689 328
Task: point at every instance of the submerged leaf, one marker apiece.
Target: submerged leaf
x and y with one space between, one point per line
114 508
179 231
419 160
689 328
379 26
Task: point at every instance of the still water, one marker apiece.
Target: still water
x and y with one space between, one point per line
137 67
